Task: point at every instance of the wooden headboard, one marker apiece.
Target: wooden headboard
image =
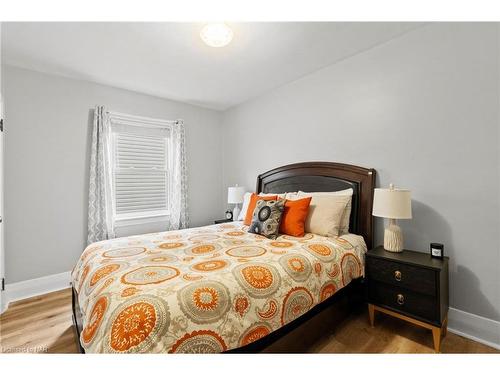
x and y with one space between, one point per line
325 176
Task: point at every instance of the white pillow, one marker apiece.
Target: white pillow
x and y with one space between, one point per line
346 215
246 202
292 196
325 214
244 207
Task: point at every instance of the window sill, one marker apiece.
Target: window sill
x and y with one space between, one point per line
137 220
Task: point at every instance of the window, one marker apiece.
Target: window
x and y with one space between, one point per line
140 169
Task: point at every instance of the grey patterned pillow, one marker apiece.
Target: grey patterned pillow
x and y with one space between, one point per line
266 218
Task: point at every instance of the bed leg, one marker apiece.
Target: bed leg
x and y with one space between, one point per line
76 318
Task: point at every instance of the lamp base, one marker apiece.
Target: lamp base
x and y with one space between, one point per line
393 238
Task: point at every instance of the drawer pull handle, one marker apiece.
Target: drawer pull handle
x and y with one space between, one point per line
400 299
397 275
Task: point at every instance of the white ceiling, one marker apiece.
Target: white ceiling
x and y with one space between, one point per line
169 60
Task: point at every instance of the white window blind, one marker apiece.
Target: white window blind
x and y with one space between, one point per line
140 174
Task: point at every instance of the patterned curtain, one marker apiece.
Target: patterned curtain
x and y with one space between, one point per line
100 212
179 218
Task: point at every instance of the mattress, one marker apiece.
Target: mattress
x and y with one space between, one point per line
205 290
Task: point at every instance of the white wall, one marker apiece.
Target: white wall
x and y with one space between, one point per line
47 151
422 110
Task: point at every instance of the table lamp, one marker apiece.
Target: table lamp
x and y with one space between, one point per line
235 196
392 204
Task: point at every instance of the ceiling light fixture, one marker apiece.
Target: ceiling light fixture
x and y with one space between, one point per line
216 34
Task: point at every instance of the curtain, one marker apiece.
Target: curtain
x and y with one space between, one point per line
179 218
100 210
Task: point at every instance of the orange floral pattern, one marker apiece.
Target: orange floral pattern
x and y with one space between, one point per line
189 277
259 279
102 272
85 272
105 284
160 258
241 305
95 320
246 251
199 342
170 245
320 249
209 266
127 292
298 301
150 275
254 333
281 244
351 268
317 268
327 291
201 249
131 325
334 271
297 266
204 301
235 234
269 311
134 323
205 290
306 237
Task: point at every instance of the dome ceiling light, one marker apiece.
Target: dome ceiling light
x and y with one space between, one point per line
216 34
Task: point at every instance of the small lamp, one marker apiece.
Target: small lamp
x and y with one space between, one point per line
392 204
235 196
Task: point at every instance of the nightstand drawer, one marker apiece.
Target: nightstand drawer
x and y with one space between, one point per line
417 279
403 300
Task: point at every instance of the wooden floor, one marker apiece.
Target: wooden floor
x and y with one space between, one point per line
43 324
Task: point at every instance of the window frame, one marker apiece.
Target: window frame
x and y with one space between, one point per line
141 217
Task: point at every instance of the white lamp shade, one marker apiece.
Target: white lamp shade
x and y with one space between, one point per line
392 203
235 194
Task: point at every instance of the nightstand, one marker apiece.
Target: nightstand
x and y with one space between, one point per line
411 286
221 221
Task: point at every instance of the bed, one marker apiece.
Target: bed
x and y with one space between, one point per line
219 288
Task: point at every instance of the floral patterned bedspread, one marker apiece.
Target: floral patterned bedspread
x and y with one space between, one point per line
207 289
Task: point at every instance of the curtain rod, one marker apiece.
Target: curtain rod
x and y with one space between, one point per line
142 118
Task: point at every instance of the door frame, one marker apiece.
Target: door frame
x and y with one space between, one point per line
3 295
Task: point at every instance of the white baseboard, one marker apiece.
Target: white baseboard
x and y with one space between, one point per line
474 327
3 302
36 287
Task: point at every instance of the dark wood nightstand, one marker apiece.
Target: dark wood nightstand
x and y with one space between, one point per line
221 221
411 286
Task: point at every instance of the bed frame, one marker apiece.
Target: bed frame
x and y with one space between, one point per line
300 334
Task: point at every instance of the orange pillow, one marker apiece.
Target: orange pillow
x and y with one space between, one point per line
253 202
294 217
